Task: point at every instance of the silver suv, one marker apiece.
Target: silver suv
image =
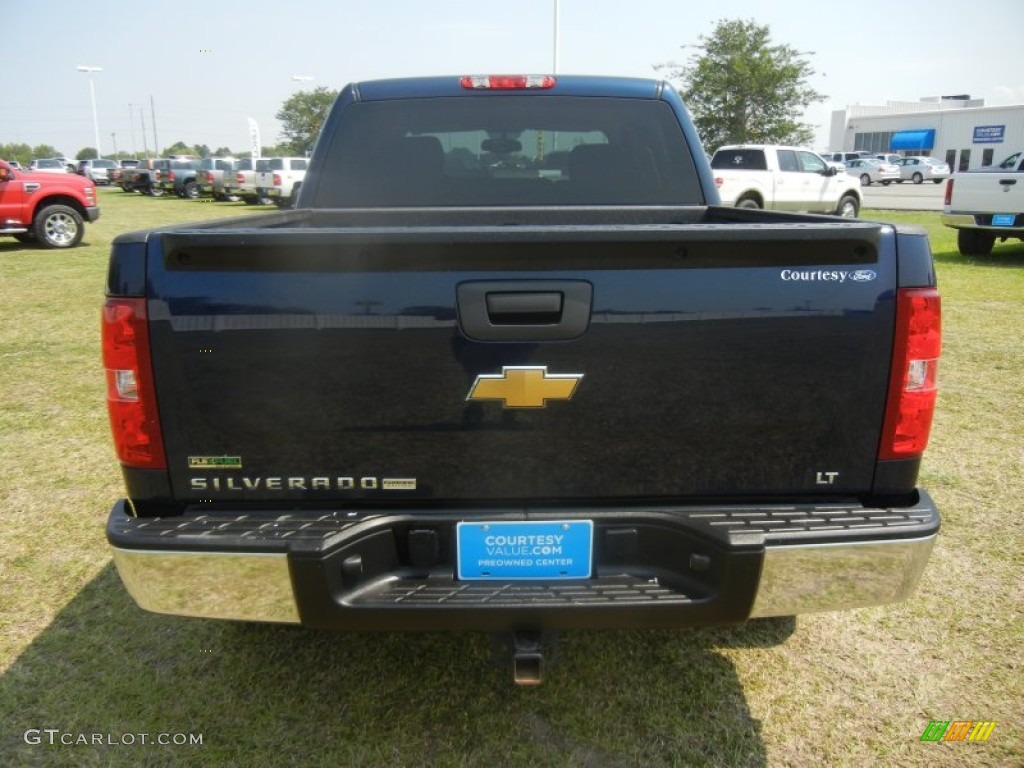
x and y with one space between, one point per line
97 170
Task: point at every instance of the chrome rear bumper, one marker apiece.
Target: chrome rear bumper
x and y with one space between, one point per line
652 568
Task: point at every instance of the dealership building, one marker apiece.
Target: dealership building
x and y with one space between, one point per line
958 129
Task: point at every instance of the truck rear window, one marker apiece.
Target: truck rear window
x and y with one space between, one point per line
508 150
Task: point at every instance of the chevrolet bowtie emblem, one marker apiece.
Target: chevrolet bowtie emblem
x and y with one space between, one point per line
524 386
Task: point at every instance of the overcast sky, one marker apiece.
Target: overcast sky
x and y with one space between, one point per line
209 65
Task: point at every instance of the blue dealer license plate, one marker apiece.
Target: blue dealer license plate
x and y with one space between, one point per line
1003 220
551 549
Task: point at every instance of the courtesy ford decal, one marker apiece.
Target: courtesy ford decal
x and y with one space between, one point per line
827 276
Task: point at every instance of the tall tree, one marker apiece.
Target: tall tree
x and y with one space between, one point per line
87 153
21 153
45 150
179 148
742 87
302 116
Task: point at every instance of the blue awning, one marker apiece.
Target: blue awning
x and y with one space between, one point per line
913 139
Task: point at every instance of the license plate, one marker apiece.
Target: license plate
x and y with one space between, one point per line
549 549
1003 220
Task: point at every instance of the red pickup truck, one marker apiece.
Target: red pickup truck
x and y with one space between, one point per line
48 208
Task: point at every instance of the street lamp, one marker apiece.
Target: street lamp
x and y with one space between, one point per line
303 78
92 93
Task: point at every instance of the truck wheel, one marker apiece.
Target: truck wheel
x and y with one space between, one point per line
58 226
848 207
155 191
917 178
974 242
865 180
189 191
747 202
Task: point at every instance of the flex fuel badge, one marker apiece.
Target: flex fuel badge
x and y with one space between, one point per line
214 462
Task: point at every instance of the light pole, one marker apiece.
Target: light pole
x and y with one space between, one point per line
303 78
92 93
554 70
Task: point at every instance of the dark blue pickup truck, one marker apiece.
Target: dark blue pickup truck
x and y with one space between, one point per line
508 366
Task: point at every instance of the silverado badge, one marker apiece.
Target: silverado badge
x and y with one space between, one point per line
524 386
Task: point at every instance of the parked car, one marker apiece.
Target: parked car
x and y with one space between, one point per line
889 157
783 178
917 169
49 209
213 174
985 205
98 170
14 164
47 165
144 177
649 412
115 175
244 185
177 176
871 170
844 157
279 178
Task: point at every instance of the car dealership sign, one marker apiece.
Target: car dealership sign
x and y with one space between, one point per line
989 134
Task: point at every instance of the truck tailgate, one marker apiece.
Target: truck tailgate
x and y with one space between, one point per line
334 364
988 191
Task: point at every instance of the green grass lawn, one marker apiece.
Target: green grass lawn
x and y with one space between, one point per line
840 689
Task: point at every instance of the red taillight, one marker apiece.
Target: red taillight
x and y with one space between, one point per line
240 178
277 180
131 397
507 82
949 193
912 379
170 175
719 181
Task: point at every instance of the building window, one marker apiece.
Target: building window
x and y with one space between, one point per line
872 142
986 157
965 160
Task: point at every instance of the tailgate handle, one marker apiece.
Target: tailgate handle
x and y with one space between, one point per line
524 310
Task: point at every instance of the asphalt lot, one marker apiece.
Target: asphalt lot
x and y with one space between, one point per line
905 197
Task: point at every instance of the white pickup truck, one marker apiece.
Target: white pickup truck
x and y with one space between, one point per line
782 178
279 178
985 205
